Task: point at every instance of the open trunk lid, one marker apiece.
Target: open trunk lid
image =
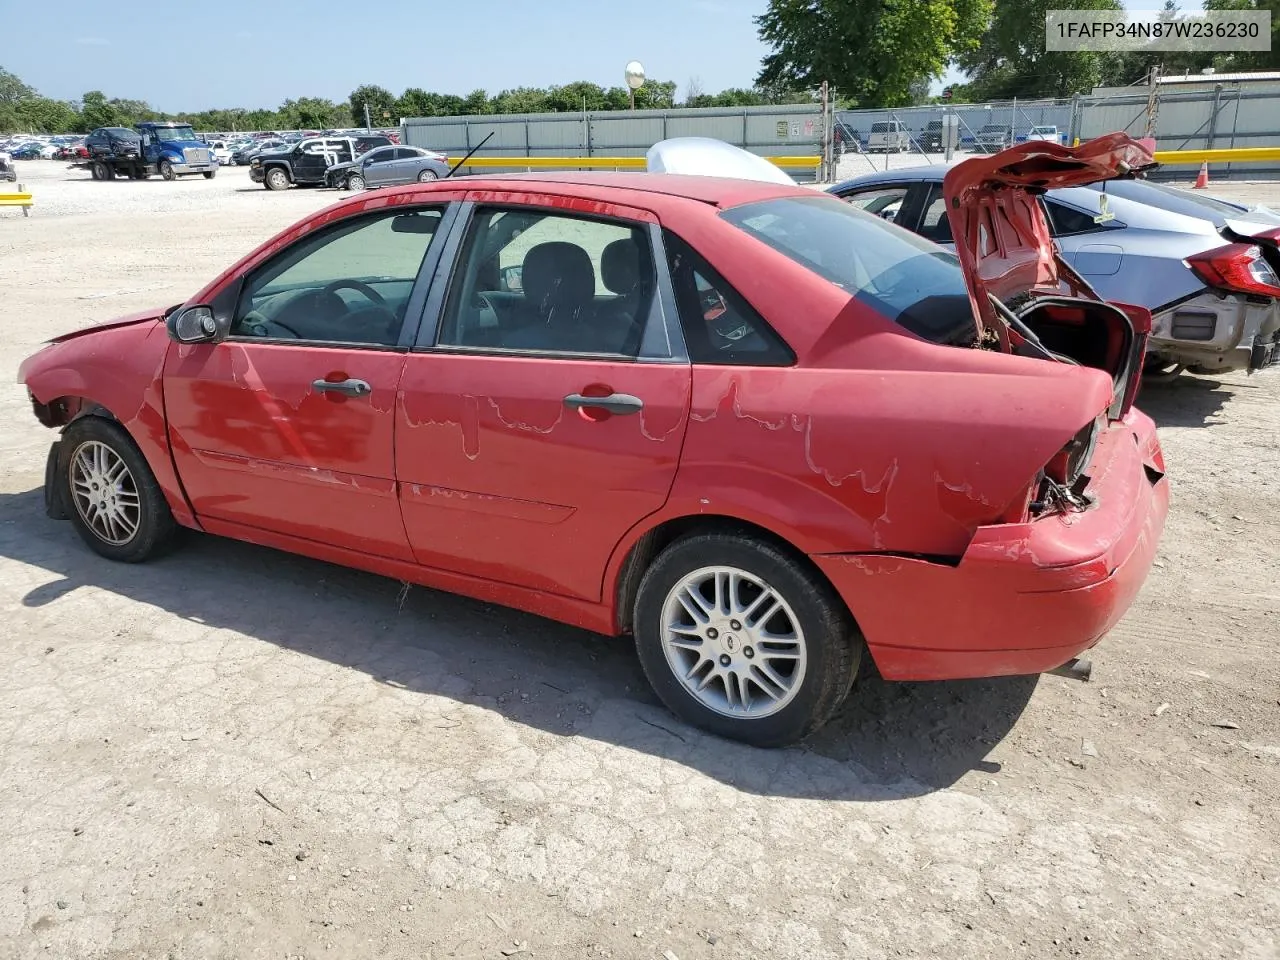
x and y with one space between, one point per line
1024 295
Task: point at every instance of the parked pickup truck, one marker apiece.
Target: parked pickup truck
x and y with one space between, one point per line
993 138
169 149
307 162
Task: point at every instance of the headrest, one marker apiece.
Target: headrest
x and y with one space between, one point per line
558 275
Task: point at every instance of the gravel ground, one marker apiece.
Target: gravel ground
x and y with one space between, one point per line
232 752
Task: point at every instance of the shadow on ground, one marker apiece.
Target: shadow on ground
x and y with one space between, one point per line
889 740
1185 401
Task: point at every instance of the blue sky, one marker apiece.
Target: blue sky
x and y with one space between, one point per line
255 53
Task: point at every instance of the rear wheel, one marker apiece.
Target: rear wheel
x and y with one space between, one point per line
426 176
100 171
355 182
739 638
210 174
276 179
166 170
113 498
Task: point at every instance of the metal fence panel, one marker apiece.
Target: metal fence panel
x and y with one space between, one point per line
789 130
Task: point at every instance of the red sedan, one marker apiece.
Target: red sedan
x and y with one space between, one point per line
760 430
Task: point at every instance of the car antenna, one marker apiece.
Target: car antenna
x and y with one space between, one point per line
468 156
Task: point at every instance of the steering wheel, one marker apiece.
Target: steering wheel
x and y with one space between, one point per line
256 325
359 286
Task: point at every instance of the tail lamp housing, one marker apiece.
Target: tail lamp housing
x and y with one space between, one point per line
1238 267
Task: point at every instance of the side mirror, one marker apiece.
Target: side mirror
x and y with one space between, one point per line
195 325
512 279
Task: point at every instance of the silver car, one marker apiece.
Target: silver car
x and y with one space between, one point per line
385 166
1206 268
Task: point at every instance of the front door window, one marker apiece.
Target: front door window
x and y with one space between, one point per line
350 284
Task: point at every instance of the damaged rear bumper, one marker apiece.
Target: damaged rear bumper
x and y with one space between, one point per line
1026 597
1218 333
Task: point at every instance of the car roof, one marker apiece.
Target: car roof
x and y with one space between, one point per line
717 191
929 173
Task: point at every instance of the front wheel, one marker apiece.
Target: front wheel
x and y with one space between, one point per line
100 171
166 170
740 639
276 179
355 182
210 174
113 498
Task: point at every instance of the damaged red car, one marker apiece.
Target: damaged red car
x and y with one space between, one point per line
759 430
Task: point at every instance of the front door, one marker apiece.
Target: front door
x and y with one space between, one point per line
288 424
378 165
547 417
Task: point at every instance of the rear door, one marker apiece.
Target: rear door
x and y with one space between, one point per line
543 416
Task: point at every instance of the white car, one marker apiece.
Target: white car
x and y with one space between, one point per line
221 152
1048 134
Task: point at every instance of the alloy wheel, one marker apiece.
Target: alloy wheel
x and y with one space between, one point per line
733 642
105 493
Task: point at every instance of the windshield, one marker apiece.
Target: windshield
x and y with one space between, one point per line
173 133
903 277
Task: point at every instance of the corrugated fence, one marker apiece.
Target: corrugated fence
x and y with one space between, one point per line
783 131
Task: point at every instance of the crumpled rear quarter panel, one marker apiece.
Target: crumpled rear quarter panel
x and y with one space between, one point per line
1024 597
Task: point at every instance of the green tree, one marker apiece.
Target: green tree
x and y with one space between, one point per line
379 99
1248 59
521 100
1011 60
311 113
97 111
46 115
574 97
476 103
870 51
13 90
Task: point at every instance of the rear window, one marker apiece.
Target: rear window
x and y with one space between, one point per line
1185 202
901 276
883 127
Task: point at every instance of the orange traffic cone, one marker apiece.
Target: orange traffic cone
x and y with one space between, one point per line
1202 181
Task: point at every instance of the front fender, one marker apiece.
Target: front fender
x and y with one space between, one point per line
119 369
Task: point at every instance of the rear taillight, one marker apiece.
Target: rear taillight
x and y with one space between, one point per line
1072 460
1239 267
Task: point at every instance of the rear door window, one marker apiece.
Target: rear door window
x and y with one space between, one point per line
720 327
934 225
883 202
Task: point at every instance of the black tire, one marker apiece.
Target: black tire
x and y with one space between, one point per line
166 170
210 174
426 176
276 179
355 181
156 527
100 171
831 642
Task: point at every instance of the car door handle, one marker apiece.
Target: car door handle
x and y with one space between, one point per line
620 403
350 388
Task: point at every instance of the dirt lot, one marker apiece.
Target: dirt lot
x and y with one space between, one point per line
237 753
